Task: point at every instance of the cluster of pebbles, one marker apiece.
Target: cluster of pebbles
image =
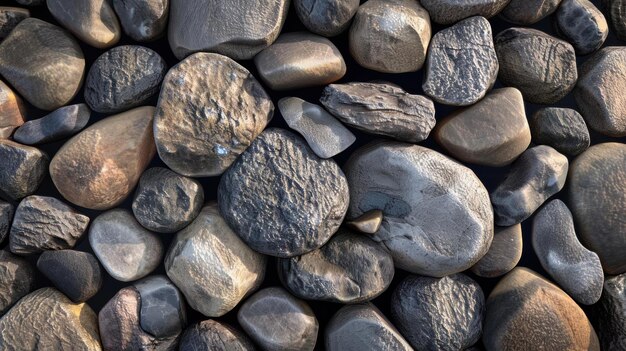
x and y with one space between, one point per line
240 216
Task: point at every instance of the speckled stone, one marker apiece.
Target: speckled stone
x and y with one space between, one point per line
143 20
369 222
615 11
76 274
63 122
609 314
9 18
451 11
23 169
92 21
12 111
504 253
581 24
326 17
562 128
526 12
162 312
6 217
214 335
17 278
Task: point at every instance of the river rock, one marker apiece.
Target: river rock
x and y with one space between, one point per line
610 314
581 24
92 21
369 222
209 111
504 253
326 17
12 110
63 122
143 20
99 167
23 169
615 11
451 11
6 217
17 278
162 311
562 128
76 274
527 12
9 18
214 335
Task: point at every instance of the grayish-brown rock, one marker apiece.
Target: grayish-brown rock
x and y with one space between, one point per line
9 18
6 217
92 21
451 11
143 20
23 169
526 12
369 222
326 17
17 278
504 253
162 311
581 24
76 274
12 111
214 335
61 123
609 314
562 128
615 11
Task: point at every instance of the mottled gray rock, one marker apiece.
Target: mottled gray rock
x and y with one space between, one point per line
143 20
92 21
369 222
581 24
9 18
12 111
609 314
63 122
462 64
444 225
381 109
504 253
451 11
562 128
209 111
298 200
615 11
275 320
17 278
76 274
162 313
23 169
6 217
214 335
326 17
526 12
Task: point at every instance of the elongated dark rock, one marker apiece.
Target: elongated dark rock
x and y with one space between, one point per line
609 314
326 17
9 18
562 128
143 20
23 169
93 21
582 24
63 122
17 278
214 335
451 11
76 274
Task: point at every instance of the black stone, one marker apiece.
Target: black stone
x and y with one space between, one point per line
63 122
76 274
326 17
609 314
215 336
162 312
6 216
562 128
9 18
582 24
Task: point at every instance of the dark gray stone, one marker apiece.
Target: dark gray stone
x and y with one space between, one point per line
17 278
609 314
451 11
76 274
526 12
63 122
6 217
615 11
581 24
23 169
562 128
326 17
143 20
162 312
9 19
214 335
504 253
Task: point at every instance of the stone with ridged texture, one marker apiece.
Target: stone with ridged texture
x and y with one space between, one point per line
526 12
92 21
23 169
143 20
12 111
214 335
326 17
562 128
17 278
63 122
9 18
581 24
451 11
609 314
504 253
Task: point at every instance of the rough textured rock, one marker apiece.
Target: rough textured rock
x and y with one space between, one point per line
23 169
45 223
526 12
451 11
527 312
12 111
326 17
125 249
462 64
598 202
542 67
143 20
504 253
99 167
369 222
390 36
76 274
166 202
615 10
299 60
214 335
124 77
162 311
9 18
609 314
217 26
17 278
275 320
422 238
562 128
209 111
210 264
492 132
92 21
298 200
53 74
6 217
63 122
581 24
381 109
439 313
536 175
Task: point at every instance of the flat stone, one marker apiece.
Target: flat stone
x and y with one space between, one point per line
324 134
92 21
462 64
214 335
99 167
76 274
17 278
439 313
492 132
12 110
166 202
326 17
444 225
581 24
300 60
125 249
44 223
6 217
209 111
451 11
124 77
162 312
275 320
598 202
527 12
615 11
536 175
609 314
9 18
527 312
47 320
381 109
541 66
217 26
212 267
504 253
369 222
562 128
63 122
298 204
143 20
23 169
53 74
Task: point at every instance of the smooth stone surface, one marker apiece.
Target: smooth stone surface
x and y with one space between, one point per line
76 274
562 128
23 169
12 110
504 253
324 134
125 249
492 132
527 312
298 200
598 203
124 77
209 111
527 12
441 314
300 60
63 122
212 267
462 64
451 11
217 26
609 314
9 18
162 311
92 21
6 217
326 17
275 320
99 167
390 36
541 66
143 20
166 202
369 222
17 278
581 24
536 175
381 109
214 335
422 238
615 11
53 74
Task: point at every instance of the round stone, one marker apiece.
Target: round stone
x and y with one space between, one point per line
76 274
162 313
92 21
214 335
12 110
562 128
63 122
504 253
326 17
17 278
11 16
23 169
451 11
609 314
144 20
581 24
527 12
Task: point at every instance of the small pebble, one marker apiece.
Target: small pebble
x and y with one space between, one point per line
504 253
615 11
76 274
143 20
562 128
92 21
12 111
6 217
581 24
214 335
527 12
23 169
9 18
63 122
17 278
609 314
326 17
162 312
451 11
369 222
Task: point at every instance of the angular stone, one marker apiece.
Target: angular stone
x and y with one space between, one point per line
504 253
17 278
369 222
615 11
382 109
76 274
609 314
527 312
526 12
210 264
598 202
162 312
324 134
125 249
442 226
217 26
53 74
442 314
214 335
63 122
166 202
12 110
92 21
390 36
23 169
298 199
275 320
6 217
581 24
209 111
326 17
492 132
562 128
99 167
541 66
144 20
451 11
9 18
